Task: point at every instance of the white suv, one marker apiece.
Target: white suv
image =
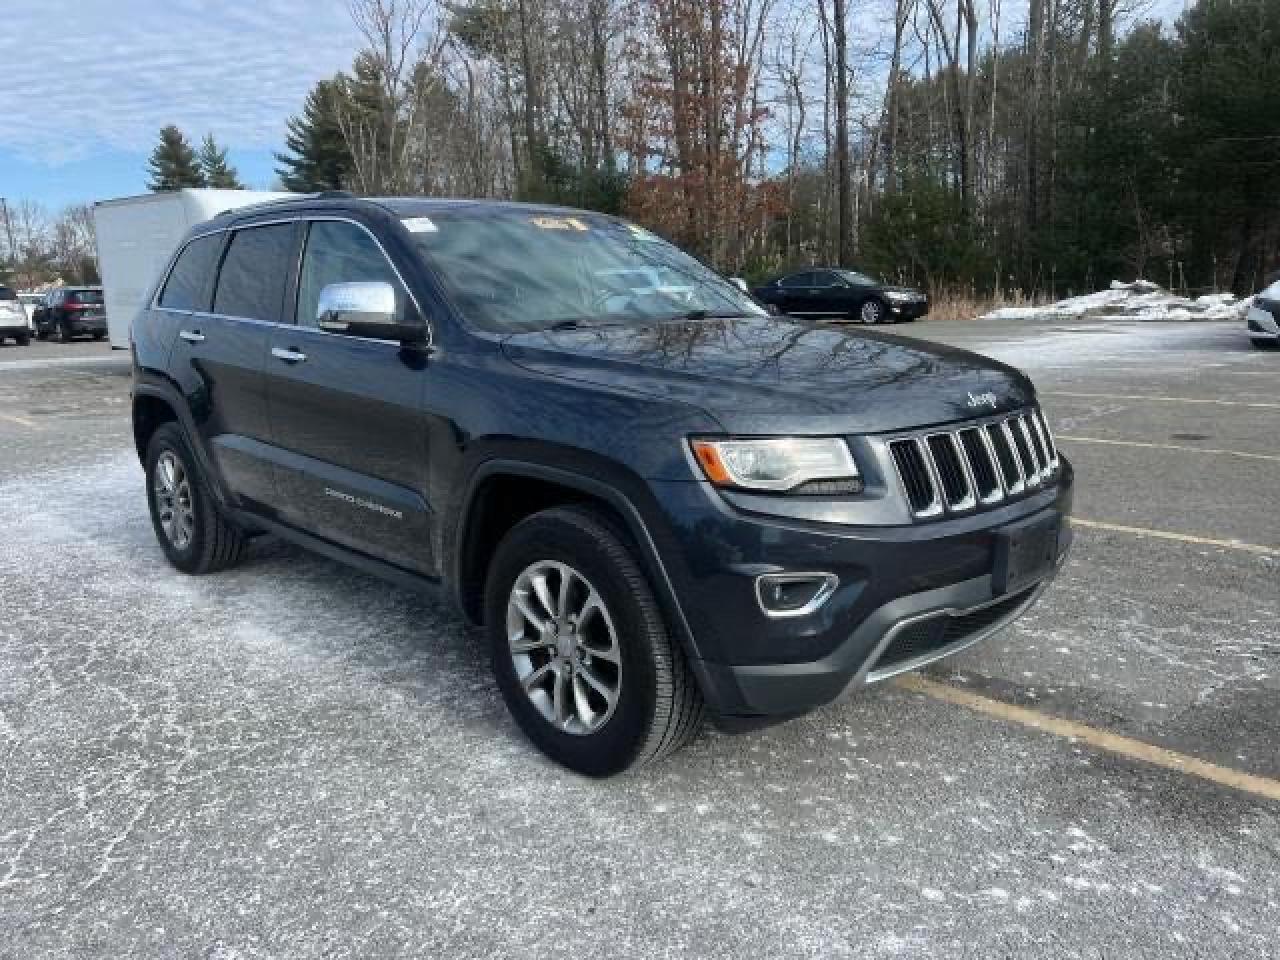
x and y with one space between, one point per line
13 318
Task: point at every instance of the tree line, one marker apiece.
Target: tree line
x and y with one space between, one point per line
1045 147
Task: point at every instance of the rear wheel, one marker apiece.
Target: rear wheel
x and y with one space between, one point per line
23 339
195 536
872 311
580 649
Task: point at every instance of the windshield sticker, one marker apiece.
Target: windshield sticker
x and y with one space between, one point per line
419 225
559 223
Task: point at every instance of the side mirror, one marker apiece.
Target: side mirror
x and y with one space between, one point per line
740 284
364 309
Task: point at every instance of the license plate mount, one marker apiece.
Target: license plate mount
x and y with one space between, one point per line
1025 553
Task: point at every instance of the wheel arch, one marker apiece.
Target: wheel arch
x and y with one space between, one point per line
488 512
156 401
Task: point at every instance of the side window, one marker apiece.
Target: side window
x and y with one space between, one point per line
825 278
797 280
255 272
340 252
190 280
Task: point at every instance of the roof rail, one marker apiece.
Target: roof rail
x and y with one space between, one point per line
334 194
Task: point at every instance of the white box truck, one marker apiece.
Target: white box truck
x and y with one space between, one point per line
136 236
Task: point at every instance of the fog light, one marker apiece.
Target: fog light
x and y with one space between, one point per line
794 594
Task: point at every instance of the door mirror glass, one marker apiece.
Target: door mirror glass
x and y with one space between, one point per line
363 309
740 284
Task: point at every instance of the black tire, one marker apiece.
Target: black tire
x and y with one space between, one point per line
1261 344
659 706
98 334
42 333
215 543
873 310
64 336
23 340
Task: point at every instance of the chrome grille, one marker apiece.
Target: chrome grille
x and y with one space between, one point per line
977 464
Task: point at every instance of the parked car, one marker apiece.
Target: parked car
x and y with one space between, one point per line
842 294
1263 318
71 312
13 319
674 506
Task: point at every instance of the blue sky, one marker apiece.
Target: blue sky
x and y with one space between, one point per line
80 125
112 72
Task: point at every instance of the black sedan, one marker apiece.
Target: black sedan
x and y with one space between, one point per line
842 294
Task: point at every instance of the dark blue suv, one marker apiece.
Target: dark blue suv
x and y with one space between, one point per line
657 500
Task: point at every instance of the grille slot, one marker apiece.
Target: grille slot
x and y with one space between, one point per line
951 471
983 464
909 458
1002 443
977 464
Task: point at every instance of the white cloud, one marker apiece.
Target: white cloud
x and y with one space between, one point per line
82 74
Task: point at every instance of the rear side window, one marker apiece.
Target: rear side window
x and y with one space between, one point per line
797 280
7 294
188 285
255 272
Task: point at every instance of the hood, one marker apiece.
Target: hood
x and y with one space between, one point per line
771 374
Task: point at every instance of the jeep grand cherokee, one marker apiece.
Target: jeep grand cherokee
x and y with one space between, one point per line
657 500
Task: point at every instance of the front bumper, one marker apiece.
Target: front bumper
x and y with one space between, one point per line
1264 324
15 330
908 311
907 595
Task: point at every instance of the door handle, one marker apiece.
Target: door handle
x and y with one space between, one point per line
287 355
191 336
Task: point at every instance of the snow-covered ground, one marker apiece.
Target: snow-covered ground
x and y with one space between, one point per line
1140 300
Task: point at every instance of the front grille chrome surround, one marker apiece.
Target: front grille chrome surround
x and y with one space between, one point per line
975 465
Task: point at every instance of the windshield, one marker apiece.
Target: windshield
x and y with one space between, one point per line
7 294
858 278
517 270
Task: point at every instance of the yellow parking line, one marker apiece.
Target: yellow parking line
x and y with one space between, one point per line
1139 396
21 421
1101 739
1170 446
1180 537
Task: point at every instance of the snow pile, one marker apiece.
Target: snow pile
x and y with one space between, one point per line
1140 300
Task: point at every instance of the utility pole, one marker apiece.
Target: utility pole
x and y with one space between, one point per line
8 229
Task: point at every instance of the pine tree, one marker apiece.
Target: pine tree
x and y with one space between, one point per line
213 164
173 162
318 158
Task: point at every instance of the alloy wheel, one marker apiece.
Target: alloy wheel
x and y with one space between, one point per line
872 311
172 490
564 647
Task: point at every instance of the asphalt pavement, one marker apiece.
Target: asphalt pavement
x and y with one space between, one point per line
291 759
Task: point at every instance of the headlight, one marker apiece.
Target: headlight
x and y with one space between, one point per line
901 296
780 464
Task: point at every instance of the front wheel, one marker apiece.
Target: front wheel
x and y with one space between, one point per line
580 649
872 311
195 536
